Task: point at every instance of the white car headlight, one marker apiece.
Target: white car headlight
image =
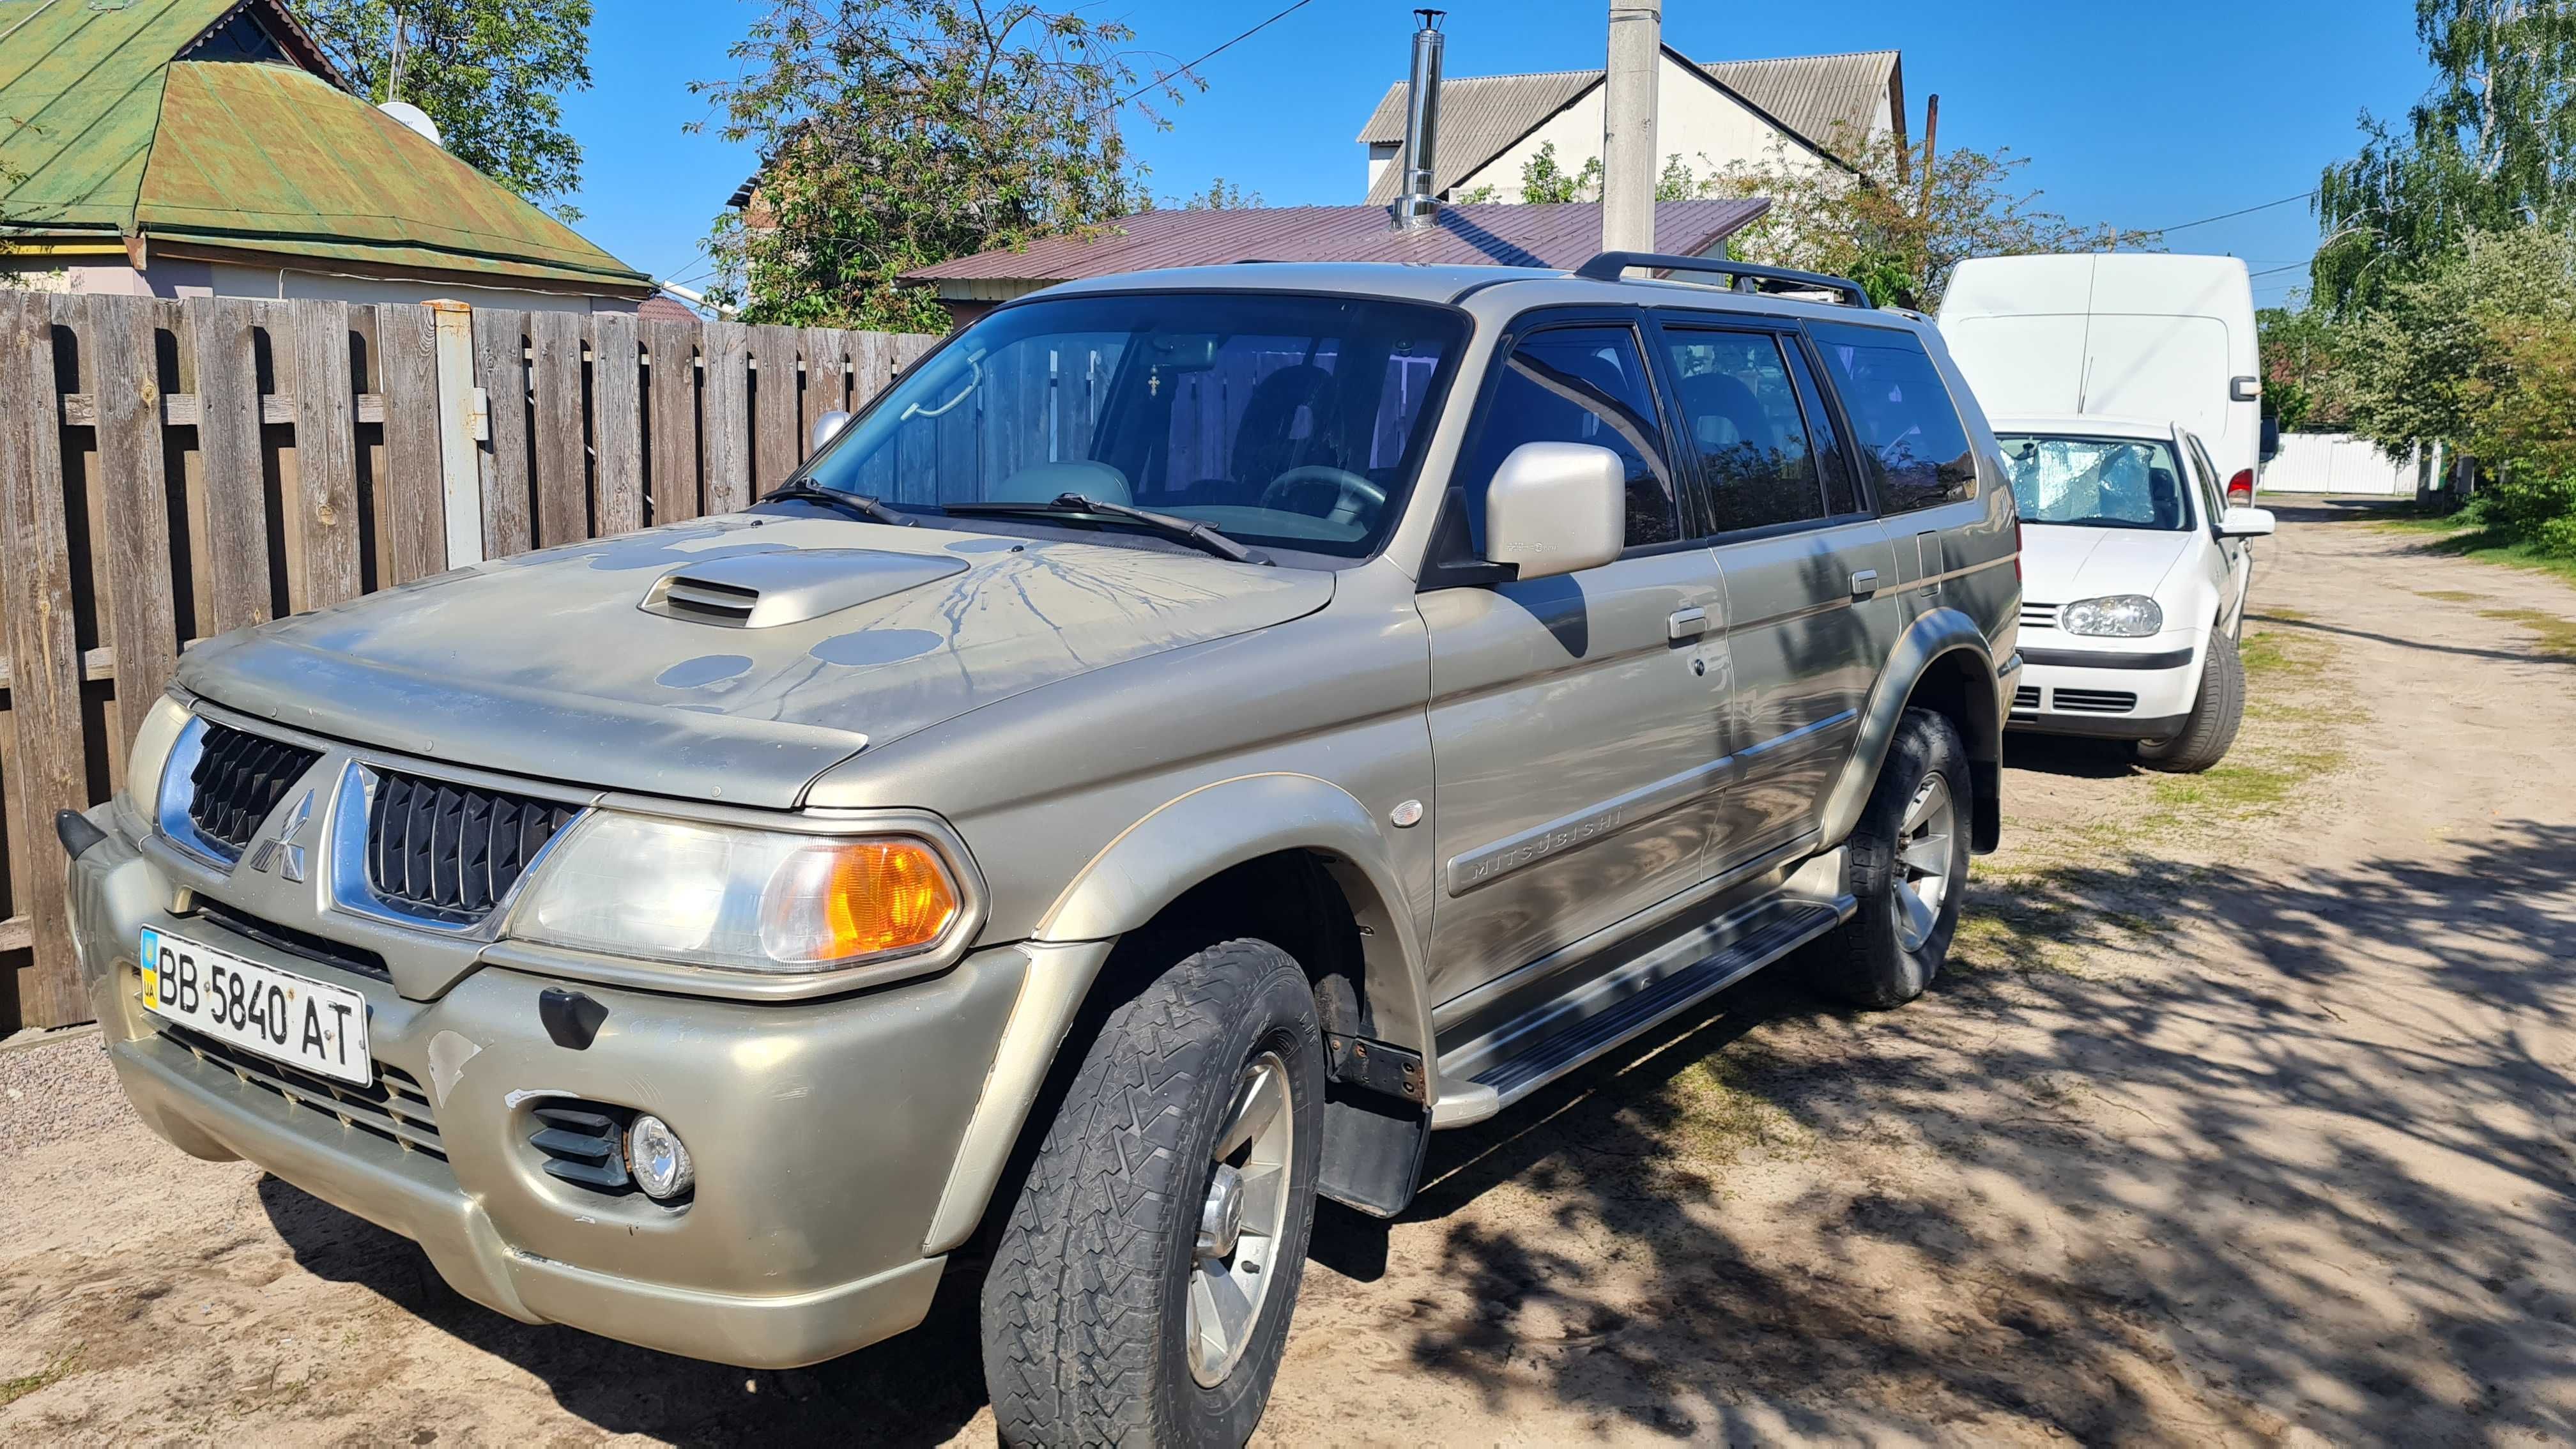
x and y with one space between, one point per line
2121 616
153 741
738 899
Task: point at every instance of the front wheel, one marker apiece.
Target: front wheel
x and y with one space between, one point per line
1908 868
1142 1288
2209 731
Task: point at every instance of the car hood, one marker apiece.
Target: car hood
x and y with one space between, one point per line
2060 565
578 663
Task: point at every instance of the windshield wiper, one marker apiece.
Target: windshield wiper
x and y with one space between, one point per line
1181 530
854 503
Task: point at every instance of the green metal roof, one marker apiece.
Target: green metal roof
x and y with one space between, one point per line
120 140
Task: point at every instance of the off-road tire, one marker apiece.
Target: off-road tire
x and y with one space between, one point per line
1084 1305
2209 731
1864 961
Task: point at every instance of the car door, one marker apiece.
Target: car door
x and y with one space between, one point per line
2228 560
1812 587
1575 721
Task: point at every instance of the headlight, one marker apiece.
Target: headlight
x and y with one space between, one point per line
2121 616
152 743
744 900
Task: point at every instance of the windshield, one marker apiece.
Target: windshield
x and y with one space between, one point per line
1283 419
2096 482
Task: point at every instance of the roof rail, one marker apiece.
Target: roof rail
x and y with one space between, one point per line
1608 266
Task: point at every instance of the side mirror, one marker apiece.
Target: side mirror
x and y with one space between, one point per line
2271 439
1555 508
828 426
2246 523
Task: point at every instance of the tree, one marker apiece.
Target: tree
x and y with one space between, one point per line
902 134
1881 225
2491 145
491 73
1221 195
2299 376
1543 179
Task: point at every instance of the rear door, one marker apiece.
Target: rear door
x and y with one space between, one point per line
1811 578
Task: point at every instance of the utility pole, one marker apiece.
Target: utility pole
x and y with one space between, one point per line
393 81
1628 126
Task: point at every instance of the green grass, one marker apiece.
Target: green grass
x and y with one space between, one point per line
12 1390
2556 635
2449 596
1719 1114
2463 535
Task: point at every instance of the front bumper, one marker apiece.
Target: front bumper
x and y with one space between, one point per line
825 1133
2106 689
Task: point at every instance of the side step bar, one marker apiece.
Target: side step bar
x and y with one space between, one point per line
1526 1055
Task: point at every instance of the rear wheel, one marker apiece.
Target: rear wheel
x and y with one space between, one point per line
2209 731
1908 867
1142 1289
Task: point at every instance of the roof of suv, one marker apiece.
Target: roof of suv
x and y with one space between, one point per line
1525 287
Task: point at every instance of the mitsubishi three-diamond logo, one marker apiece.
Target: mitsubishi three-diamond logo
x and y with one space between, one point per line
283 845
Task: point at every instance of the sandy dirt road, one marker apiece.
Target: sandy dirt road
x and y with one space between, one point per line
2245 1115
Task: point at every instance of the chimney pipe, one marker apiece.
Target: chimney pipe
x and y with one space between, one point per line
1418 202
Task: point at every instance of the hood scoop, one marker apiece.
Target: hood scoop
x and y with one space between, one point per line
789 586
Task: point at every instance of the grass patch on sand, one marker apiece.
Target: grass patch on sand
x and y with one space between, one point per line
12 1390
1719 1114
2287 741
2555 635
2449 596
2464 535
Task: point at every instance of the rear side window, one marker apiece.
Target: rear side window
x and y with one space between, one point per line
2213 493
1906 429
1739 414
1579 385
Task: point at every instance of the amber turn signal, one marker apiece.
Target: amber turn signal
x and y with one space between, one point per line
839 900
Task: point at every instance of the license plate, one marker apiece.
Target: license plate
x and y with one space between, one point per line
313 1025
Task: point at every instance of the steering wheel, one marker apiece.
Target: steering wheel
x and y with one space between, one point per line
1356 493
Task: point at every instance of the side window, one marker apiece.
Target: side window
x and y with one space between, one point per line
1909 435
1578 385
1739 414
2213 494
1842 495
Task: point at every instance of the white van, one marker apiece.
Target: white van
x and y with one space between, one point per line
2120 334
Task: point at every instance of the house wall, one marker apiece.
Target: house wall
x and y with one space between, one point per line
184 277
1709 129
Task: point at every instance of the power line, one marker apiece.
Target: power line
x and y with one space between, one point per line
2307 195
2292 267
1202 60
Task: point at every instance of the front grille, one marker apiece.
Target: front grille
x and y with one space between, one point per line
239 778
2095 701
299 943
2026 697
2038 616
392 1107
448 851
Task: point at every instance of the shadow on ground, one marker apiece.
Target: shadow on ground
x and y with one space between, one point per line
2323 1208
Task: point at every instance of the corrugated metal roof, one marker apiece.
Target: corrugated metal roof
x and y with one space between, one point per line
1831 100
1560 236
330 176
110 135
1821 98
80 94
1479 118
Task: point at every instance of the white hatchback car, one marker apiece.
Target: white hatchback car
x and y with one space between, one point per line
2134 577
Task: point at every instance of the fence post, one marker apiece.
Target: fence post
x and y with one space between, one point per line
463 419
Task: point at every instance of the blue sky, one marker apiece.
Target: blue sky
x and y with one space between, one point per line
2139 115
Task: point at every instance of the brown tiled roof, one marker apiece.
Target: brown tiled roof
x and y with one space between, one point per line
1825 100
1560 235
658 308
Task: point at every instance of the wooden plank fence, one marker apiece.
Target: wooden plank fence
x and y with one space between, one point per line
171 470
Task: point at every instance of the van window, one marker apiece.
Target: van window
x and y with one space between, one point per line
1907 430
1578 385
1739 414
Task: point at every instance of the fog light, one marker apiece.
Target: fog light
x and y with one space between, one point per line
660 1162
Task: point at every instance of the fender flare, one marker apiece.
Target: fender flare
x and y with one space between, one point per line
1937 635
1147 867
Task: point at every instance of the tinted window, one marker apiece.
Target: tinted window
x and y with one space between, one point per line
1739 414
2213 494
2096 482
1578 385
1290 420
1909 436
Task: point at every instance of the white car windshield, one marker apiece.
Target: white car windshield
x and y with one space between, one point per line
2096 482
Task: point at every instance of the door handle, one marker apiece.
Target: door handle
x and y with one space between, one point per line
1864 583
1686 624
